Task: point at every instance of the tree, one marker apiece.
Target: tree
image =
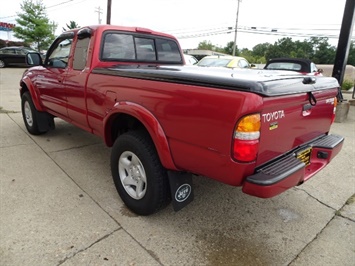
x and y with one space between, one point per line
316 49
302 49
228 49
33 26
259 52
323 52
248 55
206 45
282 48
72 25
351 58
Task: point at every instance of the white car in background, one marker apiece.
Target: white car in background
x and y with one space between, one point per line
190 60
224 61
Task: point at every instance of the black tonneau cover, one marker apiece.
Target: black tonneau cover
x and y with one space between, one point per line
263 82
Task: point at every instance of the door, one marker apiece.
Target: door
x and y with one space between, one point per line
75 83
51 82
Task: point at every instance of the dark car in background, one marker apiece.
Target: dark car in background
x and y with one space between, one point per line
14 56
304 66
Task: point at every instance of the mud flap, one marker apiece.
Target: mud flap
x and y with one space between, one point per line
181 189
45 121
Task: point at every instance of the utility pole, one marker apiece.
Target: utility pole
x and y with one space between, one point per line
344 42
108 17
236 26
99 12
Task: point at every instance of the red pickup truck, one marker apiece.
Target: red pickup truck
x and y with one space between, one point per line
264 130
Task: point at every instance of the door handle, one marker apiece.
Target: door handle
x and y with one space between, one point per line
306 109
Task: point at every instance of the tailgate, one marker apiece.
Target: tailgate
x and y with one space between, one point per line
289 121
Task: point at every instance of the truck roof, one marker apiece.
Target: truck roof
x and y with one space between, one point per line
102 28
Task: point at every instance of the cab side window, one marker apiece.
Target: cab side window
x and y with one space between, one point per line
59 54
81 53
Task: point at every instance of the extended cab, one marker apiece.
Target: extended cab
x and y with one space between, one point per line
263 130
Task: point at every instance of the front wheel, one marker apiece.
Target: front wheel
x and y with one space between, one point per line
36 122
139 177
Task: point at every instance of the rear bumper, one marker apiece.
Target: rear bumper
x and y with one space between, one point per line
289 171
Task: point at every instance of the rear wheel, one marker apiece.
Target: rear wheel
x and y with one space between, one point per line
139 177
2 63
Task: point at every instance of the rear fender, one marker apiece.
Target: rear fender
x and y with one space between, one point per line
27 83
150 123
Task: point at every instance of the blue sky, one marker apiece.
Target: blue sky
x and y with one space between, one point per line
194 21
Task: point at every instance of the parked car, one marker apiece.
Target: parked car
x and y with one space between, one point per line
190 59
14 56
304 66
224 61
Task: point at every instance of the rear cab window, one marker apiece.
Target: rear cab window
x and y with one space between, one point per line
285 66
132 47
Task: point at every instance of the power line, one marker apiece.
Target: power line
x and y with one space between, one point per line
62 3
189 31
262 32
8 17
73 2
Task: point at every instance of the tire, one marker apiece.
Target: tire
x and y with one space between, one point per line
2 63
31 115
139 177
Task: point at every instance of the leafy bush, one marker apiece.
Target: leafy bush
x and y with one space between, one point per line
347 85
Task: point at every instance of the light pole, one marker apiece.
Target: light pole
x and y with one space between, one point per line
236 26
99 12
108 18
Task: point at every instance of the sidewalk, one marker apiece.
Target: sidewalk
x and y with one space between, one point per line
59 206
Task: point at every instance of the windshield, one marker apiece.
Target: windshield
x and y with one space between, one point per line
284 66
220 62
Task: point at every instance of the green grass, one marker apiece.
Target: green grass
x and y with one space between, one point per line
350 200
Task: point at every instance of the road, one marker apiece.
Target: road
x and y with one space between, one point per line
59 206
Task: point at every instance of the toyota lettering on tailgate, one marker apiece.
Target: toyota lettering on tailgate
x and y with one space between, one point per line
273 116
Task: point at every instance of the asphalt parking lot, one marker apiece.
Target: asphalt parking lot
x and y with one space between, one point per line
59 206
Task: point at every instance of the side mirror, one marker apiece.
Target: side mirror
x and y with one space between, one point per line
252 66
320 70
33 59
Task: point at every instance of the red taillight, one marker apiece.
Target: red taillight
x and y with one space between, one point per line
246 138
245 150
334 109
